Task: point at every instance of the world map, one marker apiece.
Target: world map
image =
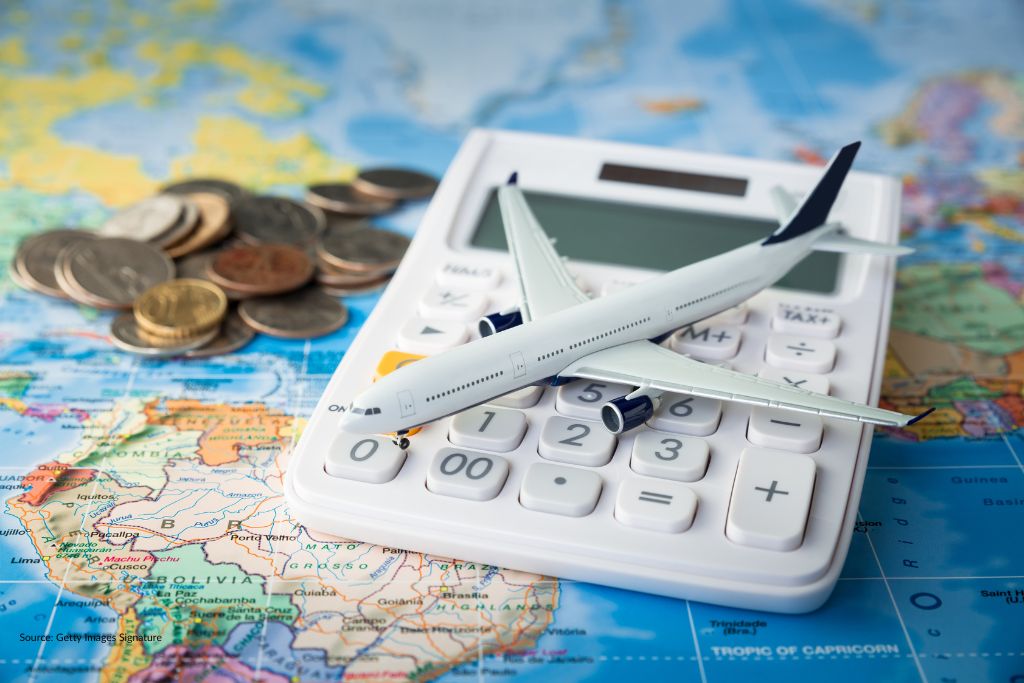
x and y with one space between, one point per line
144 534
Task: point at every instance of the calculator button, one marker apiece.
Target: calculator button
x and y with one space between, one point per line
465 276
560 490
576 442
786 430
714 342
467 474
656 505
771 497
797 353
669 456
450 304
815 383
392 360
737 315
584 399
430 336
806 320
526 397
372 459
488 428
685 414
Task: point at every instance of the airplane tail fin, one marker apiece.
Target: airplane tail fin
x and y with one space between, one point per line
814 210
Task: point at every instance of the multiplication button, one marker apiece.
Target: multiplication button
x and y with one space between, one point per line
771 497
656 505
488 428
576 442
371 459
467 474
669 456
798 353
816 383
560 490
684 414
450 304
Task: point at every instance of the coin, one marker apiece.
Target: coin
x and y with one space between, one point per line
306 313
261 269
234 334
183 228
195 266
363 250
180 308
147 220
37 256
212 228
223 188
110 272
395 183
126 334
355 289
341 197
265 219
332 277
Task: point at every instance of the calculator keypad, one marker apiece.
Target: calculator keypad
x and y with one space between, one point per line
560 490
684 414
656 505
488 428
669 456
371 459
583 399
577 442
467 474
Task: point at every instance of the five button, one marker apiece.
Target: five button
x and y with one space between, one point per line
583 398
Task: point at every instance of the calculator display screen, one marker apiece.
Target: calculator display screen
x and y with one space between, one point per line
649 237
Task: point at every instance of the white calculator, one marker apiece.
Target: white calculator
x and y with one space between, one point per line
664 508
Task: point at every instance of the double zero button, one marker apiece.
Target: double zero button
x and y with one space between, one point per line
467 474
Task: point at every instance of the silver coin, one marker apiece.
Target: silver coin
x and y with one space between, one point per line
343 198
234 334
195 266
395 183
362 250
147 220
111 272
126 335
187 222
224 188
306 313
37 256
265 219
355 290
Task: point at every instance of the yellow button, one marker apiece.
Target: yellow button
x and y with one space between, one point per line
392 360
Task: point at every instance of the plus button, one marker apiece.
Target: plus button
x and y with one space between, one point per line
771 491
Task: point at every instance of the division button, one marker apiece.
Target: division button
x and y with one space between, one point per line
669 456
451 304
430 336
576 442
815 383
656 505
684 414
786 430
488 428
806 320
467 474
771 498
466 276
799 353
718 342
560 490
583 398
527 397
372 459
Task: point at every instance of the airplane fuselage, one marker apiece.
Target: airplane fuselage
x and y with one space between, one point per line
538 350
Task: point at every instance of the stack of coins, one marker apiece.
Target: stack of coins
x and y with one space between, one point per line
176 262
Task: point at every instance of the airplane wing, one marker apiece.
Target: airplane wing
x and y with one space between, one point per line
545 285
645 364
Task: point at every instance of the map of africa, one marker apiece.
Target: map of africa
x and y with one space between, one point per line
144 534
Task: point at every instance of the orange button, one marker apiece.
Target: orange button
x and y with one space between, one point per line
391 361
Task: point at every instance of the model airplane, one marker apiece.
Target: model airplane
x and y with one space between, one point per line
559 334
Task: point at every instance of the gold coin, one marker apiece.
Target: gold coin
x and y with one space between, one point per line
180 308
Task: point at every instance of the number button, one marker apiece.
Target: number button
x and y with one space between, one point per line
656 505
488 428
786 430
465 474
526 397
684 414
711 342
372 459
560 490
771 497
796 353
584 399
668 456
450 304
576 442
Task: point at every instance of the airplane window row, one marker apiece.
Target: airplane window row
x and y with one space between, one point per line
467 385
608 333
713 294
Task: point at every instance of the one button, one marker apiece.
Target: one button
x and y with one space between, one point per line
771 497
488 428
392 360
465 276
669 456
526 397
806 321
737 315
815 383
786 430
576 442
656 505
430 336
714 342
449 304
560 490
466 474
797 353
584 398
684 414
372 459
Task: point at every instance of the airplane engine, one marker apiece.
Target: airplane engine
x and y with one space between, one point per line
621 414
499 322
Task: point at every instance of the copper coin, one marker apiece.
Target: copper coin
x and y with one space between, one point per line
362 250
299 315
395 183
341 197
37 256
261 269
213 225
347 278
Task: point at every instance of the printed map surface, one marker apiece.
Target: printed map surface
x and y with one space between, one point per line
144 535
